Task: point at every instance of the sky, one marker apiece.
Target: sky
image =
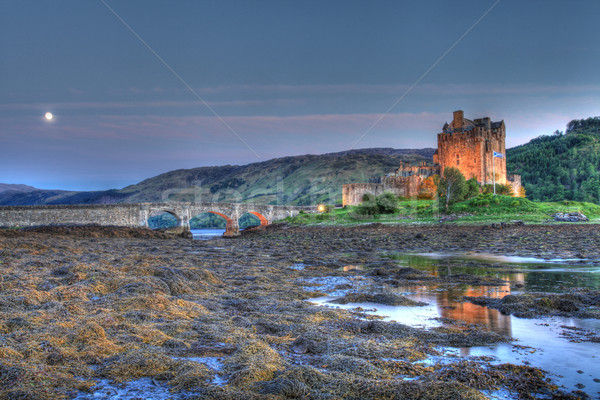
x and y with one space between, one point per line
142 87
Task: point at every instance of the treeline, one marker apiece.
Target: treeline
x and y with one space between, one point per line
584 124
561 166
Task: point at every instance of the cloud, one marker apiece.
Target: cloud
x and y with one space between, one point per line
398 89
268 98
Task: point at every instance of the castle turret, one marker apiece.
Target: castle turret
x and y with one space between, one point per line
470 146
457 123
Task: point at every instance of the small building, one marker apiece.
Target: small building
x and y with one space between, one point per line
469 145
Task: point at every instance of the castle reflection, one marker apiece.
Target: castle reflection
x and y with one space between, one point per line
448 304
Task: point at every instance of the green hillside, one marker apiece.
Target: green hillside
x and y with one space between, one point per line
561 166
295 180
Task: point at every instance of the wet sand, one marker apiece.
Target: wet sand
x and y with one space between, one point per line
85 310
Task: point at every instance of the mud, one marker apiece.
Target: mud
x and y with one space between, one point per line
80 307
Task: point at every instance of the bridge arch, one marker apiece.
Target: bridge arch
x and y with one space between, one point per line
155 221
231 224
264 221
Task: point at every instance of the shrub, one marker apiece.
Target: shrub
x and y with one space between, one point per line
473 188
368 197
500 189
482 200
367 208
387 203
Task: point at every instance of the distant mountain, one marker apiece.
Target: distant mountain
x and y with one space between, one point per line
387 151
15 187
561 166
295 180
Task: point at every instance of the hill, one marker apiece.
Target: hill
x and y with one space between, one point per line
295 180
5 187
562 166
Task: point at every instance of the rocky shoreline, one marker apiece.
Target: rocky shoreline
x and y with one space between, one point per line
229 319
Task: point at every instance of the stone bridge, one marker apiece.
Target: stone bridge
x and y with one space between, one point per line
136 215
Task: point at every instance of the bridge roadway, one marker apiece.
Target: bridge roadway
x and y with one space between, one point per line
136 215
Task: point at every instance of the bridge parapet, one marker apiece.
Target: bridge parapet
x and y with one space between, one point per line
136 215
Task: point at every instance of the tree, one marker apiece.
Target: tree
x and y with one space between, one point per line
452 186
428 189
473 188
387 203
368 206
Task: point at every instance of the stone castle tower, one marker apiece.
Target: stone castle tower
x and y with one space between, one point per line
463 144
470 146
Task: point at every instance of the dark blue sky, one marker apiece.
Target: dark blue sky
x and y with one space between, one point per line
283 77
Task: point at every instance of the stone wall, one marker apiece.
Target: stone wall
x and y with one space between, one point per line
352 194
136 215
93 214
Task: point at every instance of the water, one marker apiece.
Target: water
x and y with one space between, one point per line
106 389
538 342
536 275
203 234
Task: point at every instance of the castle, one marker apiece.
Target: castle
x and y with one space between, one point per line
463 144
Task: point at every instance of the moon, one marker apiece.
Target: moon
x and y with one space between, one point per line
48 116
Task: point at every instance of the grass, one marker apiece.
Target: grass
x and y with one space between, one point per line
498 208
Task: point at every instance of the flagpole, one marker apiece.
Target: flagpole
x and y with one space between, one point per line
494 170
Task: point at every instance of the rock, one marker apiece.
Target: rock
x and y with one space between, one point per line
570 217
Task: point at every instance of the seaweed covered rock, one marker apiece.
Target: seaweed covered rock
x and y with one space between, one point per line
389 299
136 364
582 304
254 361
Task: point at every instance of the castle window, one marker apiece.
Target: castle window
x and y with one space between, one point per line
457 159
474 161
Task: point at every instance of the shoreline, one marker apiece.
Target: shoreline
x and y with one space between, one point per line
84 308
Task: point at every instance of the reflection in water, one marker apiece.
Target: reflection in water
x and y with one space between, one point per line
536 275
446 302
347 268
203 234
474 314
539 342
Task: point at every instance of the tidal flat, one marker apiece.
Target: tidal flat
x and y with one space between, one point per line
363 312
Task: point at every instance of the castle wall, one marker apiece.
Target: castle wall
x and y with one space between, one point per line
463 151
471 151
352 194
495 142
